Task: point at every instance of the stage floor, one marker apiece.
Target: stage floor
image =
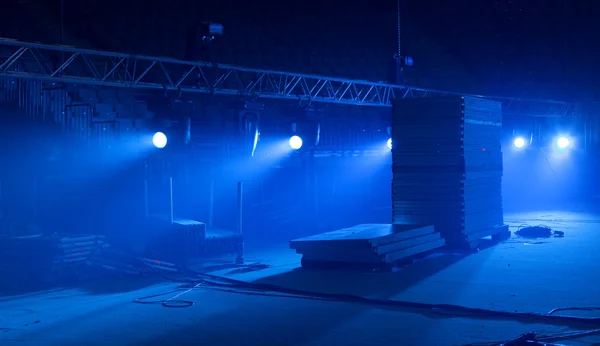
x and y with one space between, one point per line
516 275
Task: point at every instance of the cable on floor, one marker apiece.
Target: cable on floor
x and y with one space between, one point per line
197 280
202 280
534 339
171 302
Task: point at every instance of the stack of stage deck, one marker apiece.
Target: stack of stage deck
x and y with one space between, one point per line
447 167
41 250
33 261
367 244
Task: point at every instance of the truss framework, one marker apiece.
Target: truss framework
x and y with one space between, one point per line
64 64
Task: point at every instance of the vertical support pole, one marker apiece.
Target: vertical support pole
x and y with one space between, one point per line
240 250
585 132
316 195
307 216
312 193
34 198
146 188
1 204
211 206
146 200
171 213
262 196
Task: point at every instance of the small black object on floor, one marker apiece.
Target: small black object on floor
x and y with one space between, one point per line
539 231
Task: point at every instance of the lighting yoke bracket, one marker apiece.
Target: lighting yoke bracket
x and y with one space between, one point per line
64 64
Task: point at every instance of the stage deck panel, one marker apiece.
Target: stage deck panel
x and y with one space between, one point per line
368 244
447 166
184 238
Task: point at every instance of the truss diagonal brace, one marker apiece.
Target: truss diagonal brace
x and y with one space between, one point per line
83 66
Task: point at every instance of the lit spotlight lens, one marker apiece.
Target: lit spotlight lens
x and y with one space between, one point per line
562 142
519 142
389 143
159 140
295 142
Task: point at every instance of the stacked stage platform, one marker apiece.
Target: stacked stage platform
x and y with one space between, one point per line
447 167
446 186
374 245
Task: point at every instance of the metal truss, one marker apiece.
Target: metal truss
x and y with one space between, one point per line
537 108
62 64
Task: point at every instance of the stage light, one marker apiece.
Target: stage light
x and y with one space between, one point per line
562 142
159 140
519 142
295 142
389 143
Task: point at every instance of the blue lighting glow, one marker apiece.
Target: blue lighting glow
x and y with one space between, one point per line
389 143
159 140
562 142
519 142
295 142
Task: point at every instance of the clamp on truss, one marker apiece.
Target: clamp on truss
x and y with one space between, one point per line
65 64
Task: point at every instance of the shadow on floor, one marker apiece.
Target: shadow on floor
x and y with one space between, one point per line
312 318
317 318
112 284
364 283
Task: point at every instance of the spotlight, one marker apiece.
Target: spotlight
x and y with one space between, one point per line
159 140
389 143
295 142
562 142
519 142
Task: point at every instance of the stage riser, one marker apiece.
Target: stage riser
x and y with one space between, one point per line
462 160
453 221
447 166
447 193
371 244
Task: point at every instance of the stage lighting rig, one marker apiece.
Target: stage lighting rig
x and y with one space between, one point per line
399 63
563 142
209 31
249 127
305 134
159 140
521 139
404 61
519 142
295 142
198 37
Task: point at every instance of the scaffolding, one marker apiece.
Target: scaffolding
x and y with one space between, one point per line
70 65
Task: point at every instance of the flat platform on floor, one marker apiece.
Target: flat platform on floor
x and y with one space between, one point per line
368 244
189 239
220 233
180 221
209 232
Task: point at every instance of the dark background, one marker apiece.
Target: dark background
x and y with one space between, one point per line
537 49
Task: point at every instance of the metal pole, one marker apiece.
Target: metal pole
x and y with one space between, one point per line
35 198
62 22
399 30
240 250
146 201
171 216
62 29
1 204
316 195
211 206
585 132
